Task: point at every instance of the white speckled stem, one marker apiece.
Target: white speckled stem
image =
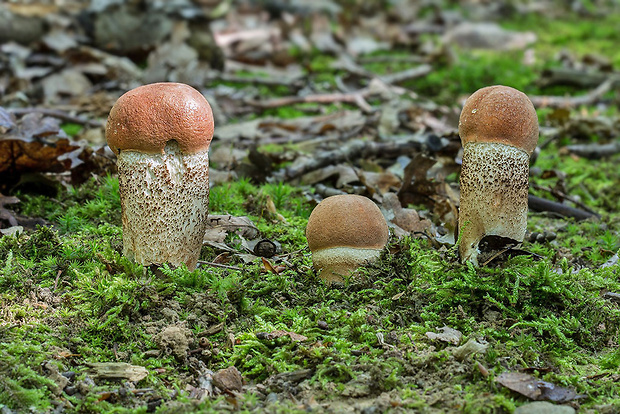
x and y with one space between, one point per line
338 263
165 201
494 187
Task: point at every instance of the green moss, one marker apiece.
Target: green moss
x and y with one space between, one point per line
71 129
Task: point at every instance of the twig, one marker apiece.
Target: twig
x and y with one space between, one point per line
497 254
219 265
295 82
56 280
571 101
56 114
595 151
541 204
354 150
570 76
408 74
392 59
561 196
612 296
611 262
324 191
357 98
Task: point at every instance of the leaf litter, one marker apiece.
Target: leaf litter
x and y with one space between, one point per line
340 127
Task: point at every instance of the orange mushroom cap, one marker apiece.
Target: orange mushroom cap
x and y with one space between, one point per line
346 221
147 117
499 114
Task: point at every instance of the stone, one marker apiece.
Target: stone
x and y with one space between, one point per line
544 407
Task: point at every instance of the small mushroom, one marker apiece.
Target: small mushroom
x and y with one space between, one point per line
499 131
344 232
161 134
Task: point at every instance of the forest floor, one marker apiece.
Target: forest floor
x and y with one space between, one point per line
339 97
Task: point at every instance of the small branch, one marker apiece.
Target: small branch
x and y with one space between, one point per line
561 196
575 77
570 101
294 83
354 150
541 204
357 98
57 114
612 296
595 151
392 59
219 265
408 74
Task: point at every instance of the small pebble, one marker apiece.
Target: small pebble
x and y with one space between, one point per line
544 407
70 375
322 325
71 390
272 397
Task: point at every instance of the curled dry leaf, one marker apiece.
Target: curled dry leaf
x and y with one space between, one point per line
6 214
471 347
228 379
535 389
447 334
219 226
36 143
406 220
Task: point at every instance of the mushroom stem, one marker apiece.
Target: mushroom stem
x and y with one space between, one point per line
494 187
337 264
164 201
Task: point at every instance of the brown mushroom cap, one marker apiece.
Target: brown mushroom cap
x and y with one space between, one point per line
147 117
346 221
499 114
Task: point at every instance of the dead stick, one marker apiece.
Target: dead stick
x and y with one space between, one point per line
353 151
561 196
595 151
56 114
541 204
288 82
570 101
408 74
219 265
357 98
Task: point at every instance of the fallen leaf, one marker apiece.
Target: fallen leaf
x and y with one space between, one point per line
219 226
228 379
447 334
116 371
484 35
535 389
268 266
405 218
471 347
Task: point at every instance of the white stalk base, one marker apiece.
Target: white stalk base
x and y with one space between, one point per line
338 264
165 201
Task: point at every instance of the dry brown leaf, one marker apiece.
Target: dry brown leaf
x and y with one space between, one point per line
535 389
219 226
406 219
268 266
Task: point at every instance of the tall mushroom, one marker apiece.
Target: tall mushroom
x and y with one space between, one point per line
344 232
161 134
499 131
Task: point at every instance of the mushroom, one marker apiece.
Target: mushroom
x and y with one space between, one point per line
499 131
344 232
161 134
